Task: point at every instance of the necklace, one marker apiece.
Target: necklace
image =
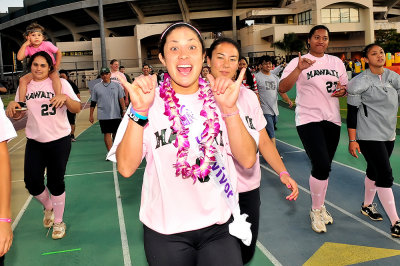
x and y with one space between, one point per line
108 84
211 130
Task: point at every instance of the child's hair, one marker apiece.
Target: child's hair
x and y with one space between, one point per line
33 27
43 54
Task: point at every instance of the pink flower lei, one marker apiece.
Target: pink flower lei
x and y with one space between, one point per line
211 130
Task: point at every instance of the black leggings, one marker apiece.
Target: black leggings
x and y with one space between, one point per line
320 140
377 154
2 261
52 155
249 203
210 246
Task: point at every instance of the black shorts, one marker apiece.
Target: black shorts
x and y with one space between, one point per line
71 117
109 125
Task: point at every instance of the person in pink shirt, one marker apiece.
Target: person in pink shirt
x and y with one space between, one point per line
223 58
36 42
119 77
48 145
189 134
7 132
320 80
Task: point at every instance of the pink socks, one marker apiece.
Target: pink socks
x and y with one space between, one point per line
318 190
387 199
370 190
58 207
44 198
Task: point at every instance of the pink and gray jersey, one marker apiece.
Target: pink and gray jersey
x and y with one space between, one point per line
46 123
7 131
315 86
170 204
249 179
45 46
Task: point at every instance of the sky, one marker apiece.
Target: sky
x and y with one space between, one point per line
4 4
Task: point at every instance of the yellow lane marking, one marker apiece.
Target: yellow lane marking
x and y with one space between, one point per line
343 254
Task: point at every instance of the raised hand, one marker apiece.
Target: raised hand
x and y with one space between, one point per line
141 91
226 91
304 63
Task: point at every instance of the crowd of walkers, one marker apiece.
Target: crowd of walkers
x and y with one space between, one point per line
202 174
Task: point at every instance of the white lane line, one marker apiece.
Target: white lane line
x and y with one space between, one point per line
21 212
268 254
122 229
12 149
379 231
339 163
92 173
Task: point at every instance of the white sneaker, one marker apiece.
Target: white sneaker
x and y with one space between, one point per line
48 218
59 230
317 221
328 219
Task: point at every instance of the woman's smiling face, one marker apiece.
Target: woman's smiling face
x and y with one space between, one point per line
224 61
183 58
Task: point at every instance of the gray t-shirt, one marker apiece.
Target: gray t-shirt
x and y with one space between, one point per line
107 97
377 99
268 91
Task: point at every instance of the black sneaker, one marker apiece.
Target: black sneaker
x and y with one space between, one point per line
371 212
395 229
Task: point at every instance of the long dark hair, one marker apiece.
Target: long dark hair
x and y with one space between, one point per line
249 76
42 54
365 52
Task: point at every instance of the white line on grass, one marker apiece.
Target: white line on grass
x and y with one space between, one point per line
21 212
344 211
124 238
268 254
342 164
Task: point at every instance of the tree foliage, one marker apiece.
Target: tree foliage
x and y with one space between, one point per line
389 40
290 44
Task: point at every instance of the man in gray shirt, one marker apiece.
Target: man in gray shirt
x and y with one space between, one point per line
109 98
268 85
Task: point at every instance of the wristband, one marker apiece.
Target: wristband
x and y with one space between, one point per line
138 120
138 115
352 140
7 220
282 173
231 114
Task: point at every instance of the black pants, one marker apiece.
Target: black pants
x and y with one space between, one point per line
320 140
51 155
250 203
2 261
377 154
210 246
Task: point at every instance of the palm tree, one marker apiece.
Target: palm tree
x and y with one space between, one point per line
290 43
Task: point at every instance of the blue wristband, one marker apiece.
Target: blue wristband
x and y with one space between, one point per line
138 115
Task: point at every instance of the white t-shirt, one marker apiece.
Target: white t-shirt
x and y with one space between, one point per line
315 86
170 204
7 131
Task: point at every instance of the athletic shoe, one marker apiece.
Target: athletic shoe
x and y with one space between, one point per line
48 218
371 212
317 221
395 229
328 219
59 230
